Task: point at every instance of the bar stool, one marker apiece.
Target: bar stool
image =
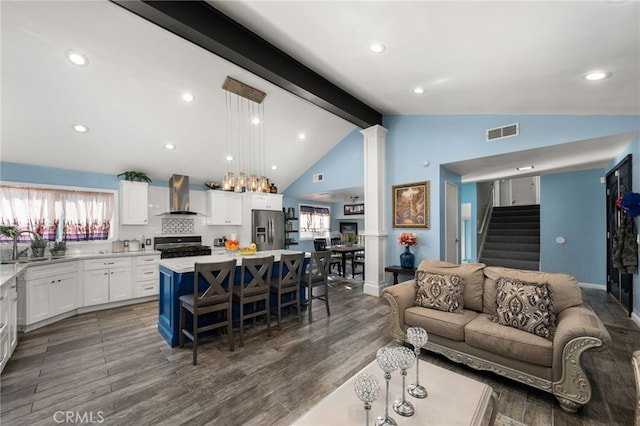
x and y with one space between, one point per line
288 282
216 297
255 281
317 276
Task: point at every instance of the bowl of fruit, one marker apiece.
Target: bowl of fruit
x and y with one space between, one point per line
231 245
247 251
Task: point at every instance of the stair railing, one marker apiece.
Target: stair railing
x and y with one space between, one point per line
482 229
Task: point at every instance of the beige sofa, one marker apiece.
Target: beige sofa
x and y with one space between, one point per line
472 338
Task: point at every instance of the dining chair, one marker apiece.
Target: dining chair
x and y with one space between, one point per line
255 281
354 263
288 283
215 298
320 244
317 277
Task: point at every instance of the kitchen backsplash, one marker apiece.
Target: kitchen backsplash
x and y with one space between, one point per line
174 225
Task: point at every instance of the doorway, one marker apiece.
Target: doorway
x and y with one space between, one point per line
451 238
618 182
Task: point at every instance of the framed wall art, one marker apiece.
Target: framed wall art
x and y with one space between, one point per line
351 209
411 205
349 228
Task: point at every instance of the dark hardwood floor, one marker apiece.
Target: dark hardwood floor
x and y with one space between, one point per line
112 367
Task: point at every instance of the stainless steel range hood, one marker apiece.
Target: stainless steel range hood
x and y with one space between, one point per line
179 196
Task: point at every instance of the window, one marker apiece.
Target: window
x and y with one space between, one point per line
57 214
315 222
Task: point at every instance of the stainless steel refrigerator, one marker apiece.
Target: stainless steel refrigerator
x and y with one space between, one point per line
267 229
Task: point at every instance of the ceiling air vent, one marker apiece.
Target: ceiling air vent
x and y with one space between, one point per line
318 177
502 132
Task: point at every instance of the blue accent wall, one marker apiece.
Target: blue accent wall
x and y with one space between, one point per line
343 167
572 206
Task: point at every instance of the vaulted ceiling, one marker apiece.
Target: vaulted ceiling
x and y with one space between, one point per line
469 57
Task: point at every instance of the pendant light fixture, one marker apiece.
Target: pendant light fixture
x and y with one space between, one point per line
245 156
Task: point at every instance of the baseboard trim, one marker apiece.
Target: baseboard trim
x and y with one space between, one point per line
635 318
593 286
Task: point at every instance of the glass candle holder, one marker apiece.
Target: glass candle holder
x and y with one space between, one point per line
405 357
388 363
417 336
368 390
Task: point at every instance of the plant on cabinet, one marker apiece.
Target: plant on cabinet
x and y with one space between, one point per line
134 176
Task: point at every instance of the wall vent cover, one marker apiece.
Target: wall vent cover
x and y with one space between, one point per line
503 132
318 177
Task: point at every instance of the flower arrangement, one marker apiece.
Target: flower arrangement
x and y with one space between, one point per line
408 239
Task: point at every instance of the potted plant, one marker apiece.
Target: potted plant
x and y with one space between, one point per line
59 248
349 238
9 231
37 247
134 176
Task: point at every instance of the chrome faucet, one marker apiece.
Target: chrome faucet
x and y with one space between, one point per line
14 256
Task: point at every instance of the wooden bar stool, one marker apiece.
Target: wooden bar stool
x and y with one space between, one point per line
255 281
216 297
288 282
317 276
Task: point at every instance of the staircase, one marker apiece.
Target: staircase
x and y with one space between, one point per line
513 238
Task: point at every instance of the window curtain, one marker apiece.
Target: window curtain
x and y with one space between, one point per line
56 214
315 219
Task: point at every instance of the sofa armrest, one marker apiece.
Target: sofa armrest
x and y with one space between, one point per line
578 329
400 297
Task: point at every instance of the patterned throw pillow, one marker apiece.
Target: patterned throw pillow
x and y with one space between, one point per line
439 291
526 306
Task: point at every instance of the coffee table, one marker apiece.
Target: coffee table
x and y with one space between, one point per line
453 400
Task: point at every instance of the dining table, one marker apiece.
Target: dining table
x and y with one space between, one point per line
344 250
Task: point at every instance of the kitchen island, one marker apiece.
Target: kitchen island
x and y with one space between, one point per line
176 279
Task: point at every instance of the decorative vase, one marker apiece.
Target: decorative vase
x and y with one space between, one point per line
407 259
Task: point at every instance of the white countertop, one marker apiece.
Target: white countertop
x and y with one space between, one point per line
183 265
8 272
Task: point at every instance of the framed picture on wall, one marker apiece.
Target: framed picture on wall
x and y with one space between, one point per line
348 228
410 204
351 209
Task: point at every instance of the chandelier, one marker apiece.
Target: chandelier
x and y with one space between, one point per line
245 156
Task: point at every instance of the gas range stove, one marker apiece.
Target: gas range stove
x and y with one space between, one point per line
171 247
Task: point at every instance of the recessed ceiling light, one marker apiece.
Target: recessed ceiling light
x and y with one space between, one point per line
169 146
80 128
418 90
377 47
302 136
77 58
229 157
256 120
187 97
520 169
597 75
274 167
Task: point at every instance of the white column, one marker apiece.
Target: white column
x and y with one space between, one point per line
374 208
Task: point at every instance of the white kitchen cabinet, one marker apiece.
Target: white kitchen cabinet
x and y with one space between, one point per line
107 280
263 201
51 290
224 208
13 316
146 276
134 203
5 311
